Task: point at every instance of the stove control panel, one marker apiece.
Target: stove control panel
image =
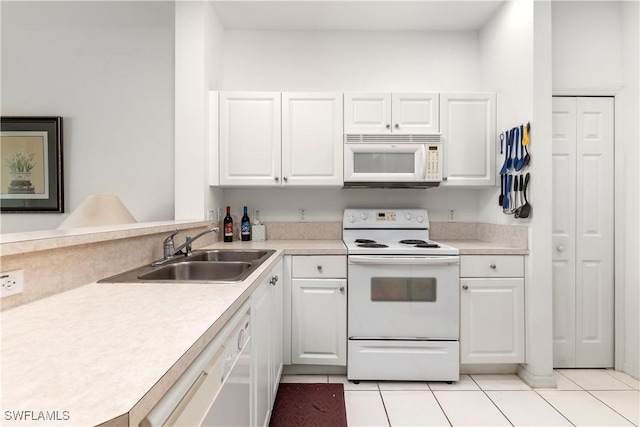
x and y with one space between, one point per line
385 218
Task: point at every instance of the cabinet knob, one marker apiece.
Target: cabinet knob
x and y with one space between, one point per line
285 178
444 178
342 289
388 126
465 287
560 248
319 268
397 126
493 266
274 280
276 178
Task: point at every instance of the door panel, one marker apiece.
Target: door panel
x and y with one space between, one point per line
414 113
367 112
583 232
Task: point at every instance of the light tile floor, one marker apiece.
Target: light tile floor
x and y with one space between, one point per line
584 397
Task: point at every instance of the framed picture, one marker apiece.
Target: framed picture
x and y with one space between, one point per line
31 174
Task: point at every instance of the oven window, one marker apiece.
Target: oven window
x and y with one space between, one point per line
404 289
384 162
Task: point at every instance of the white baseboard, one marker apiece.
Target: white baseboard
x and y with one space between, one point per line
503 368
536 381
631 370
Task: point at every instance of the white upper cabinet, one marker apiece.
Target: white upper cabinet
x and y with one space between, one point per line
468 126
312 138
259 147
383 113
250 138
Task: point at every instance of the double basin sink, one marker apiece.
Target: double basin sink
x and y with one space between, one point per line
203 266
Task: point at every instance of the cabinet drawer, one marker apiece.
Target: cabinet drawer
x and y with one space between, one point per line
491 266
323 266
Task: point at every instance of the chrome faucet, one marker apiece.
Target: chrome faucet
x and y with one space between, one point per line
170 251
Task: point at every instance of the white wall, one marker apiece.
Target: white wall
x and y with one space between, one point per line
351 61
506 67
107 69
602 59
628 129
327 205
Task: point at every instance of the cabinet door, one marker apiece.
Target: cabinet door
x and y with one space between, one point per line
367 112
492 321
468 126
319 322
312 138
415 113
250 141
261 314
277 327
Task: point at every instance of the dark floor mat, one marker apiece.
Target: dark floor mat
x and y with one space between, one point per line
309 405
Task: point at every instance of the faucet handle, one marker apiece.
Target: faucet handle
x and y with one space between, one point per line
170 238
168 246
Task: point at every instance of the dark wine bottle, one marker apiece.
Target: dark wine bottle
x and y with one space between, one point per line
245 227
228 226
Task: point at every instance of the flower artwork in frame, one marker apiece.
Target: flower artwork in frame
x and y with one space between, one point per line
31 174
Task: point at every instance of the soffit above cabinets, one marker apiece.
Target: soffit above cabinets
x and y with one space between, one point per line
469 15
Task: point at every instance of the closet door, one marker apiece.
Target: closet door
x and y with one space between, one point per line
583 257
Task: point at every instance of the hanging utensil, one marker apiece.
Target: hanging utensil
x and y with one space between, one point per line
501 141
525 142
526 208
514 133
518 163
505 167
505 202
516 188
501 198
520 199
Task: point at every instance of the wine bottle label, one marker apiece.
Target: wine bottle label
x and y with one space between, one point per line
245 229
228 229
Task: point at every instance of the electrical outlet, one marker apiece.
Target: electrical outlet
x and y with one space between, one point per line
302 215
451 216
12 282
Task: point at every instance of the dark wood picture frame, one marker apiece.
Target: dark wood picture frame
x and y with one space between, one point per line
31 172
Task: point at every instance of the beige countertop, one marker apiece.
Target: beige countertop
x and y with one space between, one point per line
108 352
480 247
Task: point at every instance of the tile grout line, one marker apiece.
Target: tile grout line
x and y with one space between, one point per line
605 403
439 405
557 410
383 405
608 372
491 400
569 379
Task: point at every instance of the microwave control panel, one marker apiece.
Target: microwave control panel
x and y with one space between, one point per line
434 162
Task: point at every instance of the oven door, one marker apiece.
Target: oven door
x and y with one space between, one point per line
403 297
384 163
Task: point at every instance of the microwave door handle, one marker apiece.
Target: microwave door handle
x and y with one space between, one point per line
441 260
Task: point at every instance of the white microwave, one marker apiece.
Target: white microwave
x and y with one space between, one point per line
392 161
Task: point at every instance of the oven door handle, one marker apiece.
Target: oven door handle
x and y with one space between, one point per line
405 260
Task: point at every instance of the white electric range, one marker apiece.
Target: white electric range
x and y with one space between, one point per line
403 300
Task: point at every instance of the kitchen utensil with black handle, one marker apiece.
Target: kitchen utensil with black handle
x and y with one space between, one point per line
526 208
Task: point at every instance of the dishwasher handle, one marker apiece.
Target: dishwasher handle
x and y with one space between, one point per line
404 260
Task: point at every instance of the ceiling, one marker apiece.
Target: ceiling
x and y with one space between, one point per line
417 15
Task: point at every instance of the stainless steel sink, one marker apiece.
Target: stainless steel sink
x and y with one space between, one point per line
228 255
200 272
203 266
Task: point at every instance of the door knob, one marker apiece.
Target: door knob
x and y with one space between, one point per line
493 266
397 126
560 248
388 126
276 178
285 178
465 287
319 268
341 288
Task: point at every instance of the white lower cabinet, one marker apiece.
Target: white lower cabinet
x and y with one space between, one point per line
492 315
319 310
266 350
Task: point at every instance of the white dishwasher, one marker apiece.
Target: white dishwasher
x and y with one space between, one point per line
215 389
